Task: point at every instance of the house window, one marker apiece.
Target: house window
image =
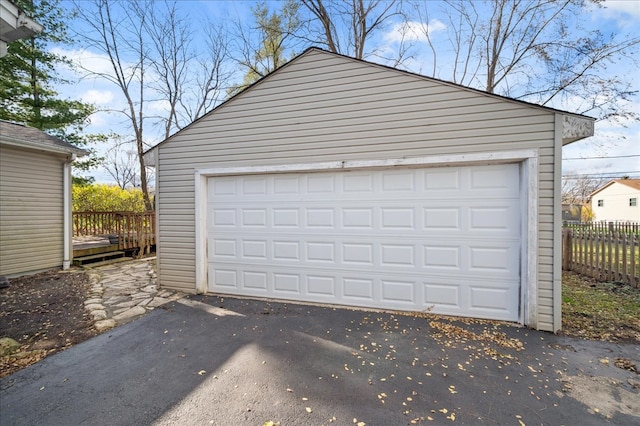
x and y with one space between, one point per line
633 202
600 203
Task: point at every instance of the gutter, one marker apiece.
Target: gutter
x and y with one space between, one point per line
20 143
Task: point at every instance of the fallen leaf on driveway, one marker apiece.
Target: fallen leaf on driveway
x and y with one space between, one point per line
202 373
309 410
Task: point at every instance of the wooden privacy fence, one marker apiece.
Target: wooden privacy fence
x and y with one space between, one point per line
603 255
129 229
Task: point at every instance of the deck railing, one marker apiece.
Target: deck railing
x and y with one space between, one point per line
130 230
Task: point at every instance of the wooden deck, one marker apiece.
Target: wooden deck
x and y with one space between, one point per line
102 232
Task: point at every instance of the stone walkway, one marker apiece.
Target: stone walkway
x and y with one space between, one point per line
121 292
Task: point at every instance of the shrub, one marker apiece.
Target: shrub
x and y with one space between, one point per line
103 197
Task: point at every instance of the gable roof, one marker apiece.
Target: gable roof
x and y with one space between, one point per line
632 183
571 117
29 137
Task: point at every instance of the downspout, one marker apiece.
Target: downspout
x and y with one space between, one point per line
67 227
557 224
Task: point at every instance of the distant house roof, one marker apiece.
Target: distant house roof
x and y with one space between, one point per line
632 183
29 137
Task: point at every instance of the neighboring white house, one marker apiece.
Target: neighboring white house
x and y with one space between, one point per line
618 200
336 180
35 200
14 25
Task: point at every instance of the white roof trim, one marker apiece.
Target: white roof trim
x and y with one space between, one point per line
576 128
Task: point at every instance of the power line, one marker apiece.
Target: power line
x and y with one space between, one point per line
603 174
602 158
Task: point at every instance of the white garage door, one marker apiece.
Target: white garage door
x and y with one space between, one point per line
444 239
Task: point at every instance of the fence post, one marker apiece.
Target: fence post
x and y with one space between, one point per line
567 252
633 280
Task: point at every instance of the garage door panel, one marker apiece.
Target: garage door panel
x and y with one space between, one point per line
412 239
289 283
361 289
442 257
254 249
491 301
397 218
321 251
442 295
224 248
439 295
478 257
395 291
497 180
443 180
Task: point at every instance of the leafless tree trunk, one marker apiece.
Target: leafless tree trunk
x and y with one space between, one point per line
207 88
524 49
169 35
121 163
576 189
116 39
361 19
146 36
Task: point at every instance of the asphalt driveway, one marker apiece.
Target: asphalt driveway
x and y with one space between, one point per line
205 360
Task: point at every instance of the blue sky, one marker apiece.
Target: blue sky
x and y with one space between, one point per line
612 139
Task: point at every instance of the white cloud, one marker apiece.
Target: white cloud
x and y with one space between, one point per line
629 7
160 105
625 13
98 97
414 30
85 59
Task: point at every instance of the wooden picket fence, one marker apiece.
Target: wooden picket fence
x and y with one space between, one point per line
602 254
605 226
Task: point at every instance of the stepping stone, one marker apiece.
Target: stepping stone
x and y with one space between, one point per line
99 315
94 307
158 301
130 313
105 324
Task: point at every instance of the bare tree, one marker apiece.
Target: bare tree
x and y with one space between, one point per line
148 46
120 162
577 188
190 82
525 49
348 26
120 38
207 87
169 36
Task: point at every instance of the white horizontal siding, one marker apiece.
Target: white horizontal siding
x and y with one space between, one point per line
31 210
326 108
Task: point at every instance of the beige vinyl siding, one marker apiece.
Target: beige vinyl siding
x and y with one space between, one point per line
324 107
31 210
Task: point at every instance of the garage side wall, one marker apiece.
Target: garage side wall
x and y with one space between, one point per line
324 107
31 211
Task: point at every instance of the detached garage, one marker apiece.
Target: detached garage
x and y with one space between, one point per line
338 181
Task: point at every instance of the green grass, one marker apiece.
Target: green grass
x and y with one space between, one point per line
600 311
